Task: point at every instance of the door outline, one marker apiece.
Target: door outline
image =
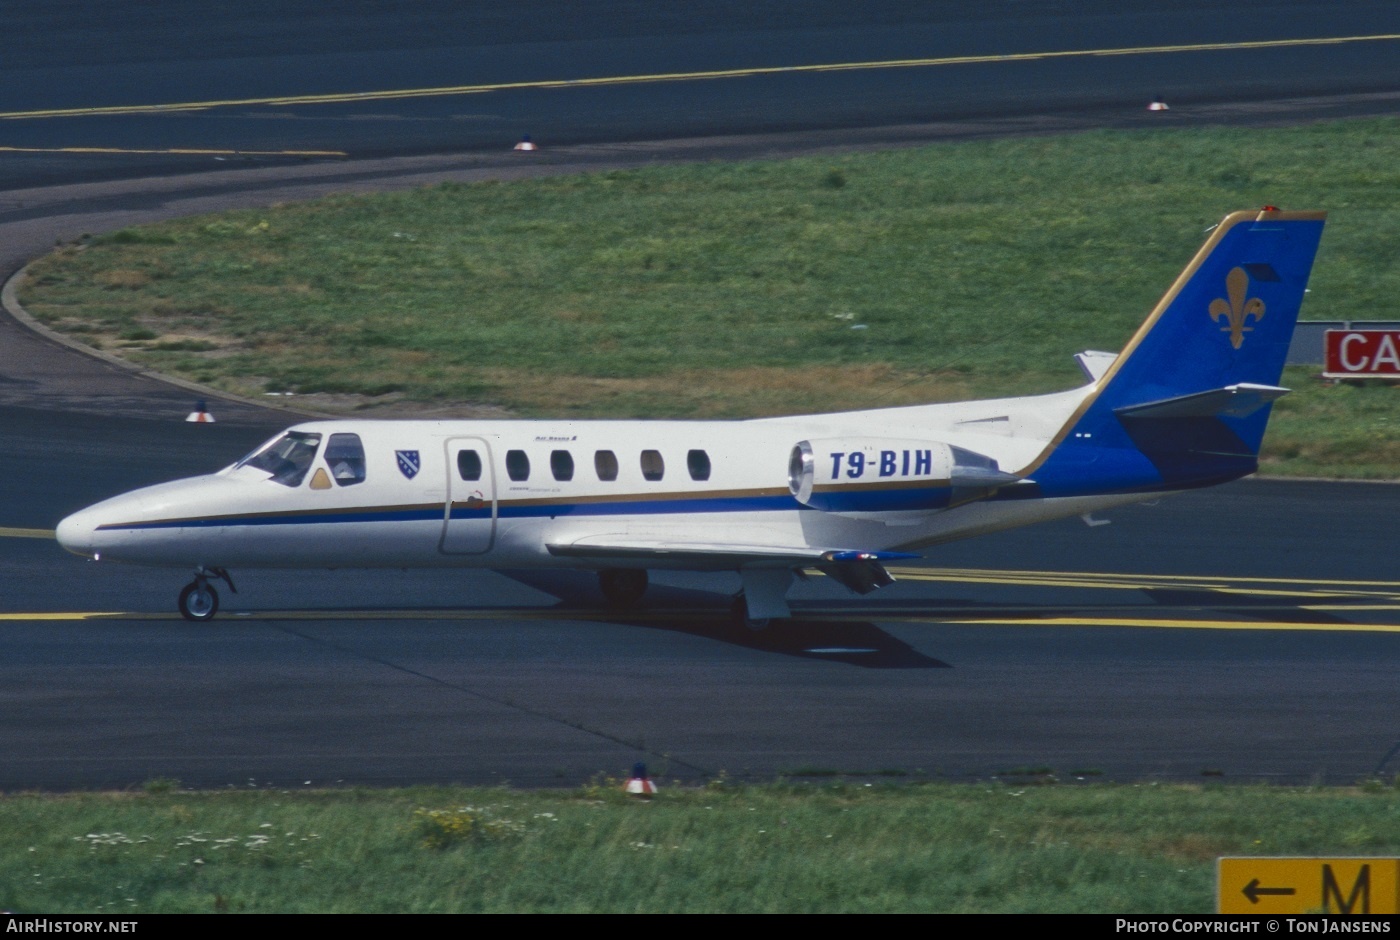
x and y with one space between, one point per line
466 536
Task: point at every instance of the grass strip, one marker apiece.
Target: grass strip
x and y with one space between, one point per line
953 271
838 846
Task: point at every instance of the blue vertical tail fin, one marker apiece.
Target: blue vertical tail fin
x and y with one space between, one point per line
1186 402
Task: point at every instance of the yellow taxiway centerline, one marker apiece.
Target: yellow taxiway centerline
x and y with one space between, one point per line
6 533
885 616
447 91
1291 626
228 617
1263 587
78 615
967 574
1171 585
181 152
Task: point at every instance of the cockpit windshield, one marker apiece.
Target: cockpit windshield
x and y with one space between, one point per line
287 458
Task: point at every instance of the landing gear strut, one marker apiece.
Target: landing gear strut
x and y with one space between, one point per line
623 587
739 615
763 598
199 601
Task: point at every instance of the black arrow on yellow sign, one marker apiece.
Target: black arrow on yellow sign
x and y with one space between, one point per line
1254 892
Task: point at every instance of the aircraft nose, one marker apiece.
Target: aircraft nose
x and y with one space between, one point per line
76 533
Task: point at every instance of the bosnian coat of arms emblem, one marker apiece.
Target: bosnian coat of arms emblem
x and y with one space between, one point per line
409 462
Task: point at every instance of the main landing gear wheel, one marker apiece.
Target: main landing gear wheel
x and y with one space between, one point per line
623 587
199 601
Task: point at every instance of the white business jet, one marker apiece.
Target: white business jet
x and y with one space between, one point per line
1183 405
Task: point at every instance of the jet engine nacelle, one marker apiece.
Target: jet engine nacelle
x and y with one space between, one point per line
858 475
866 474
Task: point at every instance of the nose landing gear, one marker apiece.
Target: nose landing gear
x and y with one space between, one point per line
199 601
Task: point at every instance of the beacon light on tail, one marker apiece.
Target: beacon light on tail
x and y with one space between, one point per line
1184 405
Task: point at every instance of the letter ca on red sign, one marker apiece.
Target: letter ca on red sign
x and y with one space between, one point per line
1362 353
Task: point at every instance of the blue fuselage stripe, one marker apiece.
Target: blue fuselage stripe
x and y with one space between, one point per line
505 510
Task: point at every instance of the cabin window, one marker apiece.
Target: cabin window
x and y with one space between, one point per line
469 465
698 462
561 464
517 465
605 463
345 455
287 458
653 467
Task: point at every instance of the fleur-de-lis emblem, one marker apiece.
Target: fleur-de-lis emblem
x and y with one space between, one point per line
1237 309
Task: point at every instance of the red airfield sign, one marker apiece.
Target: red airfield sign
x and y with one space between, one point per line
1361 354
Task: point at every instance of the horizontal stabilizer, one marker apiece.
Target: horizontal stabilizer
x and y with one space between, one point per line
1236 401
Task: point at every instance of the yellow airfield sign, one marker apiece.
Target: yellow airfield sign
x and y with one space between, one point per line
1308 886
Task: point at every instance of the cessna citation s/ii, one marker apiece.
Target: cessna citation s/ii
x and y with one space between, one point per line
1183 405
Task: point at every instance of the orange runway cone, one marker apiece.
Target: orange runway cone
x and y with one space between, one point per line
640 784
201 414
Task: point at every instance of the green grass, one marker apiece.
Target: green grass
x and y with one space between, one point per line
728 290
847 847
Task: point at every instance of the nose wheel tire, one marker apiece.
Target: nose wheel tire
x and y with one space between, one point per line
198 602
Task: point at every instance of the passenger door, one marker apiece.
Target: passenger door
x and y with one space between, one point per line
469 519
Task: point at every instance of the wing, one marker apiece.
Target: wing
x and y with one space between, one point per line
859 570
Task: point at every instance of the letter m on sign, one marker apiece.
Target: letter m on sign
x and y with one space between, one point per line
1332 902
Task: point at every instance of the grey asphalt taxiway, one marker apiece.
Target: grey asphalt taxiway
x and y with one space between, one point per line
1243 633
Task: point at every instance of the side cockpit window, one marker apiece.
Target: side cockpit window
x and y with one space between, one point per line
345 455
287 458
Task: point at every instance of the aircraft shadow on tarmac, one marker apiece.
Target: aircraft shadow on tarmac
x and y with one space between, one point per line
854 642
861 642
822 632
706 614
